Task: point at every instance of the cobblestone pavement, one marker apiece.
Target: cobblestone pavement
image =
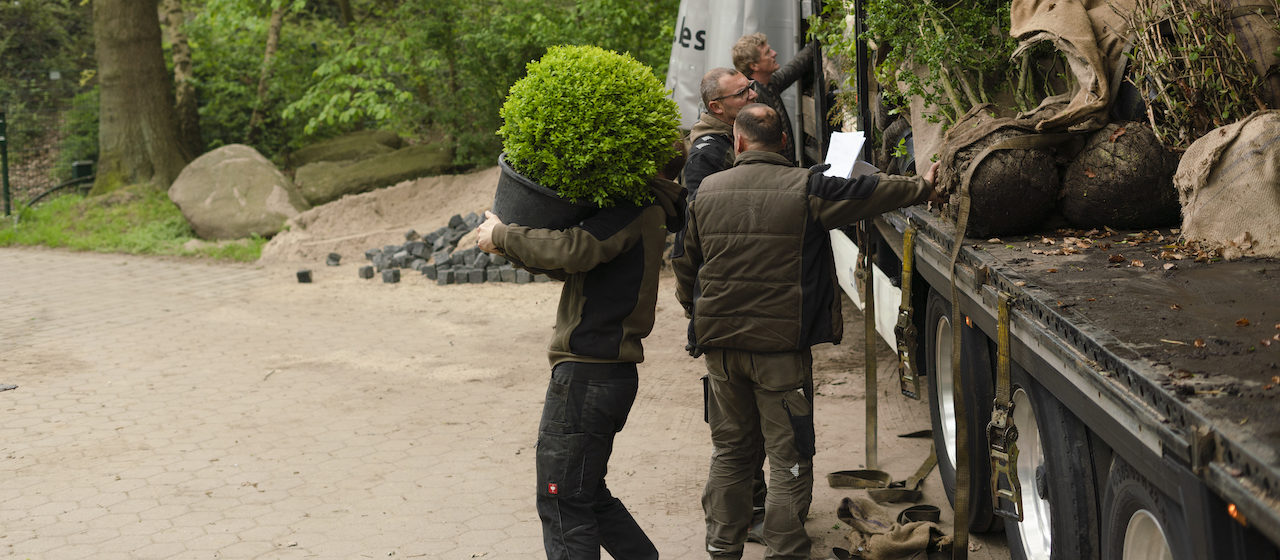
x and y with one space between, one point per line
179 409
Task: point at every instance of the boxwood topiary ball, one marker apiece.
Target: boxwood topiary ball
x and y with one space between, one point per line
1123 178
591 124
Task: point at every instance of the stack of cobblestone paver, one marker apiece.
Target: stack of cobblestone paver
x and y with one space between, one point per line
437 257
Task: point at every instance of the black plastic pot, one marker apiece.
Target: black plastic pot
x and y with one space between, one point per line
518 200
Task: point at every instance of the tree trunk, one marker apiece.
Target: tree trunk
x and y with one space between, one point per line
273 42
344 6
137 132
185 91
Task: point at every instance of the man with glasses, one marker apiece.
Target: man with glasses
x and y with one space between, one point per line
724 93
754 58
710 144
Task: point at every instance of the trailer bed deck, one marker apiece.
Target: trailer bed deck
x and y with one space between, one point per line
1198 342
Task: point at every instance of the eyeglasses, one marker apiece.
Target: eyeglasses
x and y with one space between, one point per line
740 93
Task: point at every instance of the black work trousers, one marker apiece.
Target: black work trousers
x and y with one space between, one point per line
586 405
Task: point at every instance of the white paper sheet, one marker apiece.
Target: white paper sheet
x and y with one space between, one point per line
842 152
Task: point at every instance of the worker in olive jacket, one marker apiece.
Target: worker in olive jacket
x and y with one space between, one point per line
753 56
610 264
758 281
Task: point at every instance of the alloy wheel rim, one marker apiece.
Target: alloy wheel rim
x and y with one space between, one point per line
944 385
1144 538
1036 529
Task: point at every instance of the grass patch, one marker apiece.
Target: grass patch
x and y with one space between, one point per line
134 220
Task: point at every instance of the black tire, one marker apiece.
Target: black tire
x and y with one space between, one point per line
1055 471
1138 512
976 384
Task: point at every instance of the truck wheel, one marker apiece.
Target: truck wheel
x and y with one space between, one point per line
1055 472
1142 523
938 333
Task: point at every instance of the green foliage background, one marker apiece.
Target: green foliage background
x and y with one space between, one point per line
961 50
434 68
430 70
427 69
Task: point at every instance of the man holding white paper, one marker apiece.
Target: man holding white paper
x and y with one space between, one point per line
757 280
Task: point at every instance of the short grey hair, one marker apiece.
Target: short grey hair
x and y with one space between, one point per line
711 84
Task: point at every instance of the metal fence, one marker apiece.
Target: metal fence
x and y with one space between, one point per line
32 158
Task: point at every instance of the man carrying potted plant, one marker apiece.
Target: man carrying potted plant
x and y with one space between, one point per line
590 126
610 265
757 280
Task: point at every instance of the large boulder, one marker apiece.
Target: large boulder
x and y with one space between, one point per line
355 145
328 181
234 192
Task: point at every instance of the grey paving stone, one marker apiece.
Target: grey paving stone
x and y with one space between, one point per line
523 276
477 276
401 259
304 276
411 235
417 249
366 271
508 273
333 259
430 271
444 277
457 221
391 275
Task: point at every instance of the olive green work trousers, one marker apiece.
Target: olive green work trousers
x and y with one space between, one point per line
757 400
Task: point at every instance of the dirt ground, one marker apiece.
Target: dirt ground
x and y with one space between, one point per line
170 408
355 223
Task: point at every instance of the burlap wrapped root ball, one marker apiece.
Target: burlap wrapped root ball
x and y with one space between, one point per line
1123 178
1010 191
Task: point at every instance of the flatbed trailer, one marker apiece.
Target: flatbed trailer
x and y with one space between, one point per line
1145 395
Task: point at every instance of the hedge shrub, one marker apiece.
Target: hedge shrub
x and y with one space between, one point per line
591 124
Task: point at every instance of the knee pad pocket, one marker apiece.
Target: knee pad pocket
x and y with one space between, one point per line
560 462
800 412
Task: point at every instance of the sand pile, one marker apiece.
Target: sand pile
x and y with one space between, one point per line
350 225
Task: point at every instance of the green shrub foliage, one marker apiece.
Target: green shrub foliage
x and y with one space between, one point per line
591 124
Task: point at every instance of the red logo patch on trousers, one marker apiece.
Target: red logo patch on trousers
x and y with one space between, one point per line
552 488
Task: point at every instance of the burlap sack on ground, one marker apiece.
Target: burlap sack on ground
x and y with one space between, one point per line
1228 182
875 536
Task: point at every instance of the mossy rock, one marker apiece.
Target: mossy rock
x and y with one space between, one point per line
323 182
1011 191
355 145
1123 178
